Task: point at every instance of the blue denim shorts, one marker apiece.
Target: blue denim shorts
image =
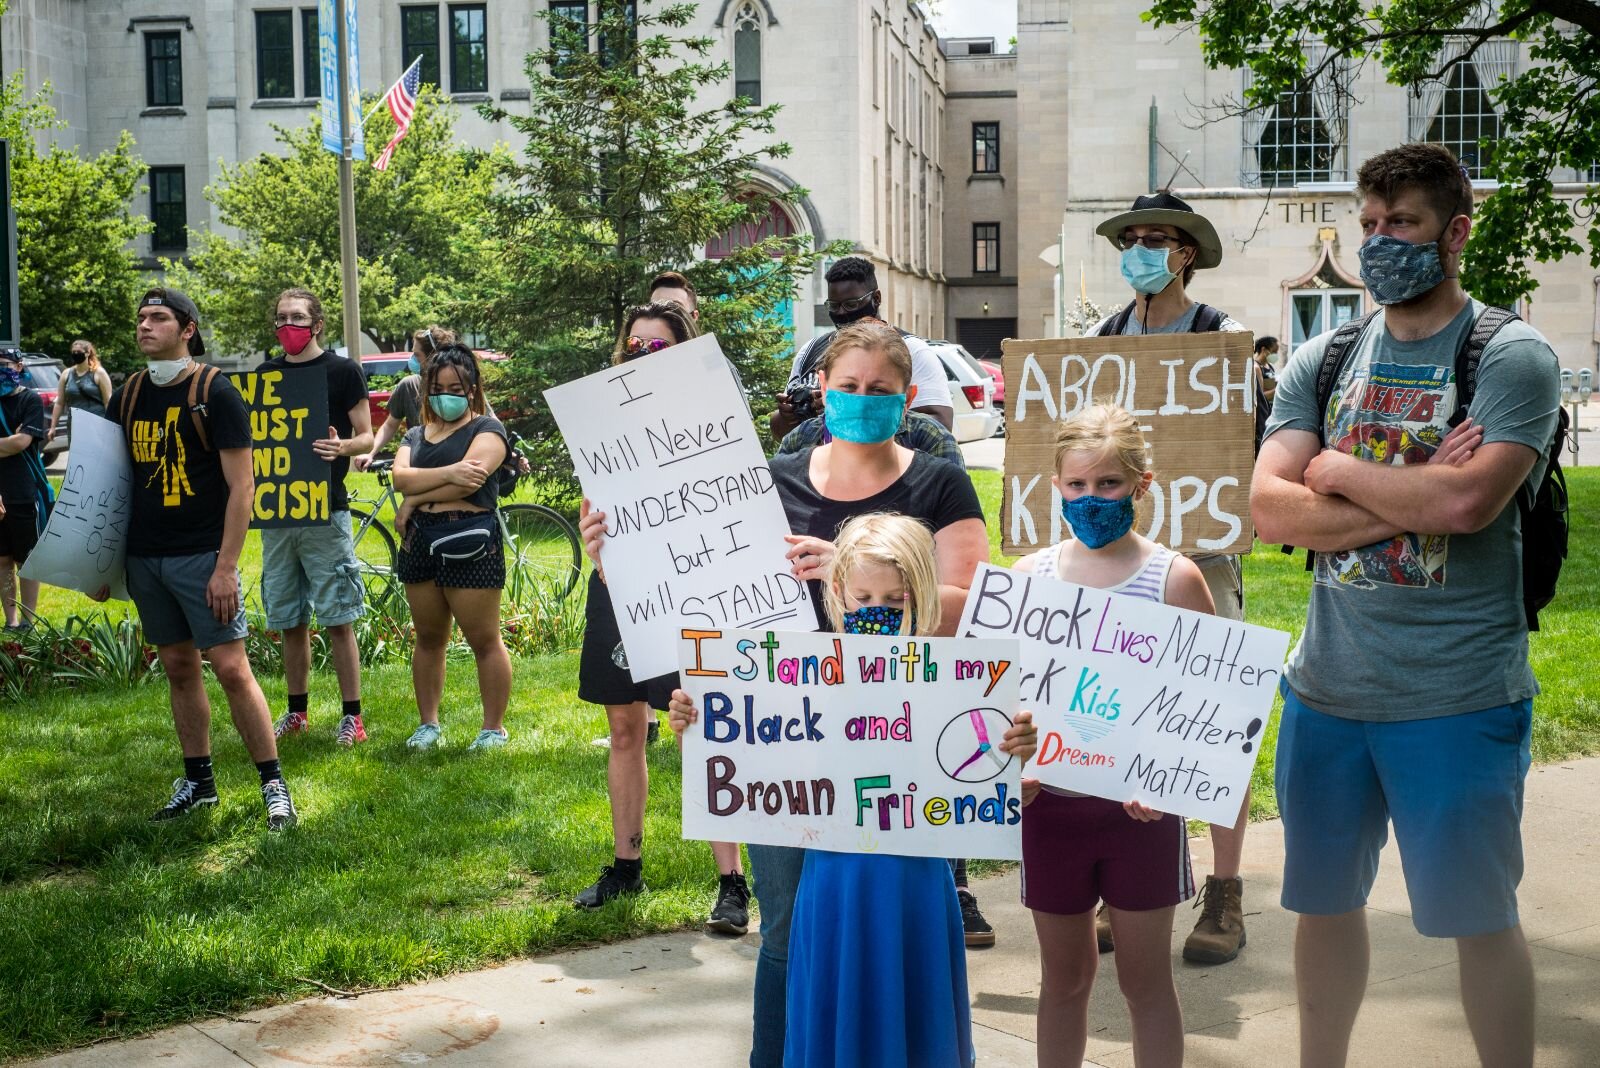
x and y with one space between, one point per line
1452 785
311 569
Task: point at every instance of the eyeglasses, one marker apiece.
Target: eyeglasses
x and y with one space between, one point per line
292 320
840 307
1155 242
643 346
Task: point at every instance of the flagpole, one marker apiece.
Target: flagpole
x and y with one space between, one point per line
347 191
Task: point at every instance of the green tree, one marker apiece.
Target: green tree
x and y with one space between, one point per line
420 245
626 170
76 273
1550 111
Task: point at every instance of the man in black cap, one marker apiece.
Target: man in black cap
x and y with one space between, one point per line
1163 242
193 491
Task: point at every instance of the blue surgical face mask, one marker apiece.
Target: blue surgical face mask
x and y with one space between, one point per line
1396 271
414 365
1098 521
874 619
863 418
1145 269
448 406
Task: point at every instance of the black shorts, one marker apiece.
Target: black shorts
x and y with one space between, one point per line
19 532
488 572
601 680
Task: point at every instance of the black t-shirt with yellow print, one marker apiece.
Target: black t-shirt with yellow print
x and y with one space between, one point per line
180 497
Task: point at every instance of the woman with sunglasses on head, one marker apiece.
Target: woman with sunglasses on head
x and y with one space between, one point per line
451 556
84 385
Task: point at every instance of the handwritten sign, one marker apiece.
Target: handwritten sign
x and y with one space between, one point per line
1134 700
288 411
853 744
85 544
664 446
1194 396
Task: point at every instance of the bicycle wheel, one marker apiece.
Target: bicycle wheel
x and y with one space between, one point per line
542 547
376 554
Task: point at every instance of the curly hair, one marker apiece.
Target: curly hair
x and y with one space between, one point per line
854 269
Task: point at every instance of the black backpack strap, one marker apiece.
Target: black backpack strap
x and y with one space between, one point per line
1207 320
1470 355
1334 358
1118 322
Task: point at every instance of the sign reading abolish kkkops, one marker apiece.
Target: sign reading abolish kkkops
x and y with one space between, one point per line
1194 396
1134 700
288 411
853 744
664 446
85 544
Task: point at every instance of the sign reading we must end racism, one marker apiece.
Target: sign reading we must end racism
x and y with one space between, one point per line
288 411
1134 700
664 446
1194 396
853 744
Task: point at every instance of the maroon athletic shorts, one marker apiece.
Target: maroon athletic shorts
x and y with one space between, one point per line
1077 851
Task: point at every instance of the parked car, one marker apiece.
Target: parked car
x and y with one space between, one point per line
971 393
389 368
44 378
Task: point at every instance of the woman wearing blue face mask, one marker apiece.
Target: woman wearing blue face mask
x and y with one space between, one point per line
406 400
451 557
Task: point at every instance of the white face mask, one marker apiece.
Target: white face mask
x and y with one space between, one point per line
165 372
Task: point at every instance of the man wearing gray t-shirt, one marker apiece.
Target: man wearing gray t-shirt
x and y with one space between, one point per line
1409 695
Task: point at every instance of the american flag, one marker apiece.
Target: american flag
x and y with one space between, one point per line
402 102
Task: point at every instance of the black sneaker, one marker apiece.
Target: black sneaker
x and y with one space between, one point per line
608 886
186 797
280 809
731 914
652 733
977 929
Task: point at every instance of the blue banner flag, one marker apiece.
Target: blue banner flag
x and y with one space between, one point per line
332 128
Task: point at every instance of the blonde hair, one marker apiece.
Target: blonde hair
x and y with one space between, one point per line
876 338
899 542
1100 427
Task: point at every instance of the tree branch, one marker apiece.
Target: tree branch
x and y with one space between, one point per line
1580 13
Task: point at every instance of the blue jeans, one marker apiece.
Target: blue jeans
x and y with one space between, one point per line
776 877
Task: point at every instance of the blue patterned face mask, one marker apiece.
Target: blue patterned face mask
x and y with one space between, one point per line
863 418
10 381
1396 271
874 619
1096 521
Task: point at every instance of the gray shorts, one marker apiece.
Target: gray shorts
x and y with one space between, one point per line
170 594
311 569
1225 579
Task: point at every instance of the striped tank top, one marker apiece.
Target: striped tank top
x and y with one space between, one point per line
1149 583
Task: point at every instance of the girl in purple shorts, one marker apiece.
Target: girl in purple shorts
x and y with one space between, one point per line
1078 850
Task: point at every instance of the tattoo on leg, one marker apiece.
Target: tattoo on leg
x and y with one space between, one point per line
637 841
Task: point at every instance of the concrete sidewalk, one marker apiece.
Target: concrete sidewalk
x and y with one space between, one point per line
684 999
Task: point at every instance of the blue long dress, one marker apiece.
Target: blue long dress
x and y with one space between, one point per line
877 965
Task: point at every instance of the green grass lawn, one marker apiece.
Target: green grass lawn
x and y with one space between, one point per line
403 866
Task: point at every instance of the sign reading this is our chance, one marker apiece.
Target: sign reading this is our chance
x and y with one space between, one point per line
288 411
85 544
1194 396
664 446
853 744
1134 700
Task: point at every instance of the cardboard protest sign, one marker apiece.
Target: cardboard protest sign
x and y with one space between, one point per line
1134 700
288 411
664 446
85 544
851 743
1194 396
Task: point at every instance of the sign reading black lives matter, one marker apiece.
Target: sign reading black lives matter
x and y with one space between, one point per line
664 446
1134 700
288 411
1194 397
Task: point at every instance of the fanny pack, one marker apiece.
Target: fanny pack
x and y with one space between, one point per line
463 539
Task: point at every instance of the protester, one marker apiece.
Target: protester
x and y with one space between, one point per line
193 493
871 930
674 286
405 406
452 557
84 386
854 296
1267 367
604 679
1409 694
917 432
1078 851
24 484
1163 243
313 569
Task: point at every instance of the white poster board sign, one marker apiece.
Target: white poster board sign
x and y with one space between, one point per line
852 743
664 446
85 544
1134 700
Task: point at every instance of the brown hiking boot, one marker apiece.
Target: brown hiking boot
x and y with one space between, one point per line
1102 929
1219 935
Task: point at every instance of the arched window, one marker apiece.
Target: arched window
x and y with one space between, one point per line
747 53
774 223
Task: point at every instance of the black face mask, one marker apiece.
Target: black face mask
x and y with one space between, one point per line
76 358
869 310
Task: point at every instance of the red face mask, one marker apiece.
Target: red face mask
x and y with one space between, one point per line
294 339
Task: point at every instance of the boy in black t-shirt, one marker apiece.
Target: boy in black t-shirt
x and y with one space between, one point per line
189 439
22 434
314 569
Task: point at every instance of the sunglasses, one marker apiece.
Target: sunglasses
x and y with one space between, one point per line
841 307
644 346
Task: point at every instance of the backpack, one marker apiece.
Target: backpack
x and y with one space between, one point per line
199 396
1543 510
